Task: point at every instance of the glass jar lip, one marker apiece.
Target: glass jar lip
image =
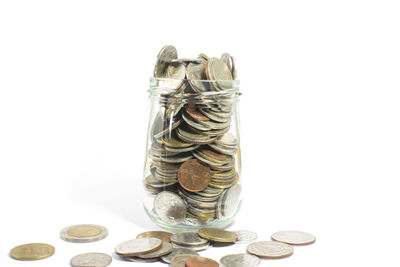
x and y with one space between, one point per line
156 89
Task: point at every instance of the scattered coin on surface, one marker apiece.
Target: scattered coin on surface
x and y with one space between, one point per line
162 235
32 251
178 251
188 239
240 260
139 246
293 237
245 236
270 249
91 260
218 235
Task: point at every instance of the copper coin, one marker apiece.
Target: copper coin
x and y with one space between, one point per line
194 113
193 176
201 262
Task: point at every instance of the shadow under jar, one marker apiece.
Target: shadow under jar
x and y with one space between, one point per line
192 167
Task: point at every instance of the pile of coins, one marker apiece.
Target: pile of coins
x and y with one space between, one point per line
192 156
178 249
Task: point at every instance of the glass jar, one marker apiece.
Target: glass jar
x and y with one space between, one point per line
192 168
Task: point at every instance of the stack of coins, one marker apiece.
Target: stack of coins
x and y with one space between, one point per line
192 154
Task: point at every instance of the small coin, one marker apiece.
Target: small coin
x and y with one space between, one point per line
170 207
82 233
293 237
162 235
138 246
218 235
91 260
178 251
240 260
188 239
180 260
193 176
245 236
201 262
32 251
166 248
270 249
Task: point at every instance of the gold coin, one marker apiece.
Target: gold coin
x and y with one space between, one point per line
162 235
84 230
32 251
218 235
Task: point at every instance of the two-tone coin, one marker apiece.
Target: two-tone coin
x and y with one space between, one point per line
83 233
32 251
165 249
138 246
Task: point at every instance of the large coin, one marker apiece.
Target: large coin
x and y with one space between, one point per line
196 75
178 251
165 249
91 260
170 207
293 237
218 72
193 176
245 236
218 235
188 239
32 251
167 54
201 262
270 249
83 233
173 76
162 235
138 246
180 260
239 260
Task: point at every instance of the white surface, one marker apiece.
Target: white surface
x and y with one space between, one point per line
320 120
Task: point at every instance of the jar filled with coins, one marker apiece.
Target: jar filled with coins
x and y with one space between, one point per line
192 167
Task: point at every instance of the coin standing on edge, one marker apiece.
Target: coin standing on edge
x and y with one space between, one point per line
32 251
270 249
83 233
293 237
91 260
239 260
139 246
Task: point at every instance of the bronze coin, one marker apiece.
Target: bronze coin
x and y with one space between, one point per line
193 176
201 262
214 155
194 113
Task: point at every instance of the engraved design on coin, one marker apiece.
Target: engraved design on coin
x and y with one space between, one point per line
32 251
293 237
193 176
91 260
240 260
170 207
270 249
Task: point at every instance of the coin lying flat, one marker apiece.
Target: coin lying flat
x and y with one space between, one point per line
165 249
188 239
218 235
293 237
245 236
91 260
83 233
178 251
180 260
137 259
270 249
138 246
201 262
170 207
32 251
240 260
162 235
193 176
195 248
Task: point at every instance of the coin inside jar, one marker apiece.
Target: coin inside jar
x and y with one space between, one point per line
201 262
32 251
170 207
270 249
193 176
293 237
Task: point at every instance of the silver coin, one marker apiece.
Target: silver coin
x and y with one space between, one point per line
91 260
230 62
232 200
178 251
84 233
170 207
167 54
195 248
227 140
187 60
245 236
173 76
165 249
180 260
219 73
293 237
270 249
138 246
240 260
193 138
172 158
188 239
196 75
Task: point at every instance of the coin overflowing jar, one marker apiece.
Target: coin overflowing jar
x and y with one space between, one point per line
192 167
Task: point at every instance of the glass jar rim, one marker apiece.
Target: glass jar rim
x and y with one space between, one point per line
156 89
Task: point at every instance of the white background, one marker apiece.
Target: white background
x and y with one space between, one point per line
320 120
